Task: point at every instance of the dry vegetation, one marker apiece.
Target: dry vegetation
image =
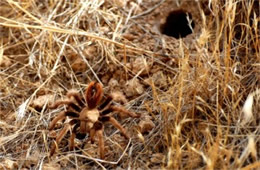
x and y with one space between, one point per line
198 96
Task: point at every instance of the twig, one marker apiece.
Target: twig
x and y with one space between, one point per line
103 161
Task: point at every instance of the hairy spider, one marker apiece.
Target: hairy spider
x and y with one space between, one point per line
87 117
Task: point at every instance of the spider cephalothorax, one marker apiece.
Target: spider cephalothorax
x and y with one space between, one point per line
87 117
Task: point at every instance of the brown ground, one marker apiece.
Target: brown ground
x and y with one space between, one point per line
194 94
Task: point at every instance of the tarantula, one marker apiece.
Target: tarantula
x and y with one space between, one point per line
87 117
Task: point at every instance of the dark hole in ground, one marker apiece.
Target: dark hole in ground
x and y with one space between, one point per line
177 24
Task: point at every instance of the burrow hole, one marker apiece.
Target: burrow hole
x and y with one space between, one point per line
178 24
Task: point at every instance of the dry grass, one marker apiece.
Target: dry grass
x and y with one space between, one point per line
201 92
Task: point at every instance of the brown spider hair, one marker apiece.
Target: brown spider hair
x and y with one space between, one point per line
88 116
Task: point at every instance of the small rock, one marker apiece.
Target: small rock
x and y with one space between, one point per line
90 52
39 102
133 88
120 3
5 61
9 164
51 166
105 78
146 125
140 66
118 96
113 83
158 78
129 37
79 65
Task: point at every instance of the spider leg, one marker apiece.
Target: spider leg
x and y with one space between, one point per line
83 124
122 111
62 133
101 143
99 129
92 133
105 103
65 102
62 116
115 123
76 95
59 102
72 137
